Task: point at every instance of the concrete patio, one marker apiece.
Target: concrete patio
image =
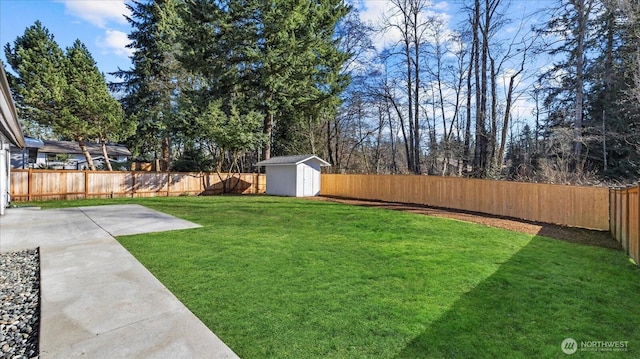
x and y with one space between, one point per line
97 300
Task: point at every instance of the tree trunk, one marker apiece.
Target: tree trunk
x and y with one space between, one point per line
466 152
328 144
392 139
85 152
493 138
411 154
166 154
583 8
415 9
505 121
480 67
105 155
268 132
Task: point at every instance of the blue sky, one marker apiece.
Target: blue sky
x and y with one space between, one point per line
99 24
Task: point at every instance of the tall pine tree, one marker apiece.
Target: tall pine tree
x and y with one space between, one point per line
151 87
39 82
89 111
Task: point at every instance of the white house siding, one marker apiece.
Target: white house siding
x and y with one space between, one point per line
10 133
5 178
282 180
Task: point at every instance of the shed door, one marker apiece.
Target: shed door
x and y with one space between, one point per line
307 181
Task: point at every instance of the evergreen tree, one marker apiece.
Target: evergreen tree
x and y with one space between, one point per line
61 94
151 87
89 110
280 59
612 115
39 82
569 27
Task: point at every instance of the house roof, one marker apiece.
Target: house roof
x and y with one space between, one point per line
9 124
292 160
70 147
33 142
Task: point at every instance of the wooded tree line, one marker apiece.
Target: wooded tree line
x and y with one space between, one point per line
549 95
551 100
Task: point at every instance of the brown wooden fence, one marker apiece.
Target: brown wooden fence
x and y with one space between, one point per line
624 212
34 184
584 207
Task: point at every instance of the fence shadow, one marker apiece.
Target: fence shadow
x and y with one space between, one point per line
230 185
544 293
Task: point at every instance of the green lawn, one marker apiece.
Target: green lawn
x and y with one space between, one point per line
290 278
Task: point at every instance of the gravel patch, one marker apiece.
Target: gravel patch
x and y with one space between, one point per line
20 304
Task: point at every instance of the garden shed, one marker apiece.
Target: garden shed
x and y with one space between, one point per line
294 176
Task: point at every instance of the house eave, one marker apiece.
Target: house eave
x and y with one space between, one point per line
9 124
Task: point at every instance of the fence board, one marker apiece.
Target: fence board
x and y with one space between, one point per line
585 207
35 184
625 219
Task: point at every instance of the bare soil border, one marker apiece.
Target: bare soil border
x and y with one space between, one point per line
569 234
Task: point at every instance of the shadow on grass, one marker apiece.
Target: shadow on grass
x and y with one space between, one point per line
543 294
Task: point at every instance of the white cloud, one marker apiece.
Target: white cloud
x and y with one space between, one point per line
377 12
98 12
116 42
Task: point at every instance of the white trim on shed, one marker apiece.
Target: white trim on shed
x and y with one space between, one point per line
294 176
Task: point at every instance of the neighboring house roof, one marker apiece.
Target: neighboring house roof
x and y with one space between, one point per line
33 142
292 160
9 124
70 147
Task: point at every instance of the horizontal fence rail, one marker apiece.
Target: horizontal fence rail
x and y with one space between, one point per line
584 207
33 184
625 219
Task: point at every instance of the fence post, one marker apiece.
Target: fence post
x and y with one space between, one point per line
619 216
628 217
29 184
637 254
86 184
168 184
612 228
133 184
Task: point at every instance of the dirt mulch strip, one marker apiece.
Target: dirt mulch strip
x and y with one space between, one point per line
569 234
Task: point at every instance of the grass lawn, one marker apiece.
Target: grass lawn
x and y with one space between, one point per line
290 278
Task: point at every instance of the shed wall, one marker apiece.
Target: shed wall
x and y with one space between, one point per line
281 180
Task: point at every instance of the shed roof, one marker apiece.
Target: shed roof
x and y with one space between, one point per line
71 147
292 160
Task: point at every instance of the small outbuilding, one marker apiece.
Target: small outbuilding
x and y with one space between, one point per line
294 176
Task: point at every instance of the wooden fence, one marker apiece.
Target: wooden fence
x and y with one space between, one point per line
34 184
584 207
624 212
616 210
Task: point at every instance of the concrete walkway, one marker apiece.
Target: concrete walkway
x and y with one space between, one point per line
97 300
